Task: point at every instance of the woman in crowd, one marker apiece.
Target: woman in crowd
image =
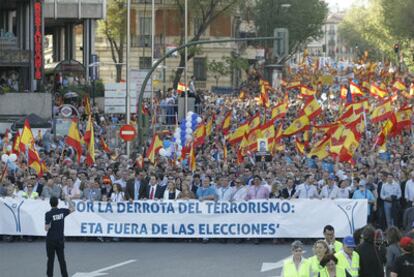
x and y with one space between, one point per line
171 193
186 193
330 268
320 249
117 194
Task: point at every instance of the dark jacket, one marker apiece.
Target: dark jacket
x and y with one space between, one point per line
130 189
285 193
372 260
158 194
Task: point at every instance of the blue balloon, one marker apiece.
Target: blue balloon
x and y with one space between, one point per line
166 143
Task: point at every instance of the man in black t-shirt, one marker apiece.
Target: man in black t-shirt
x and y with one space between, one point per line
404 264
54 226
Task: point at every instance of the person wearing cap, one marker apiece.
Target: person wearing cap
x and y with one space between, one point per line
297 266
404 264
331 268
347 257
320 249
329 234
363 193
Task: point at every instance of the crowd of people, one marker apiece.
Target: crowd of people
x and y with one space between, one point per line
382 175
368 253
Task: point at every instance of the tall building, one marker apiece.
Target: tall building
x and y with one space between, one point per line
168 30
331 44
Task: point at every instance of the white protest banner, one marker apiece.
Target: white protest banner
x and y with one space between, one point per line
184 219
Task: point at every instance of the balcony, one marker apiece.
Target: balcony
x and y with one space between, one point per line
143 41
75 9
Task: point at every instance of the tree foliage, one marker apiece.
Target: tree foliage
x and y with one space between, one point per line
226 66
399 17
114 29
206 11
303 19
376 28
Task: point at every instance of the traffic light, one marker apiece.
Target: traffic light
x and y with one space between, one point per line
396 48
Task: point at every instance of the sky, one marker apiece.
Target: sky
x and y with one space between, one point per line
343 4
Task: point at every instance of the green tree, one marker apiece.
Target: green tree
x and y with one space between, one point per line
303 19
114 29
399 17
226 66
218 69
206 11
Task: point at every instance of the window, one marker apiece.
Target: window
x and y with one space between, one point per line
144 62
200 69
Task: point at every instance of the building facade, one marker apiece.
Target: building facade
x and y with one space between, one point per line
168 30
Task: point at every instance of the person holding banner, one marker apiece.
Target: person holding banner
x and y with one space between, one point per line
297 265
54 226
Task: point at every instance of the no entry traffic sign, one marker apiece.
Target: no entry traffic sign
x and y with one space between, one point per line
127 132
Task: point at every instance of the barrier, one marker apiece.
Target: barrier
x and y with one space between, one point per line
190 218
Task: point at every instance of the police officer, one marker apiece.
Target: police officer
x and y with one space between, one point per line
54 226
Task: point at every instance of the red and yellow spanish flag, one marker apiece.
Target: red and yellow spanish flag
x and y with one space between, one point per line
192 159
199 135
293 85
153 149
300 124
181 87
311 109
279 111
344 92
254 122
321 148
398 85
225 126
300 146
382 112
90 155
209 126
26 137
104 146
34 160
238 134
403 118
87 105
268 132
377 91
277 141
264 96
224 150
16 144
307 91
355 89
73 139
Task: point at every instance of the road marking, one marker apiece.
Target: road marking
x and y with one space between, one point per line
100 272
271 266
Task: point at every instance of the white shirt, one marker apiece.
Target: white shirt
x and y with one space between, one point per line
239 194
409 190
117 196
121 182
224 193
306 191
344 193
330 192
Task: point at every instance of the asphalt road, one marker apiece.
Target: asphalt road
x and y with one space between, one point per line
147 258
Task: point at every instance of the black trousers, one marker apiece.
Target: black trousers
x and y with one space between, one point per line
53 246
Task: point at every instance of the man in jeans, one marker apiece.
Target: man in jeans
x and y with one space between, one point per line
54 226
